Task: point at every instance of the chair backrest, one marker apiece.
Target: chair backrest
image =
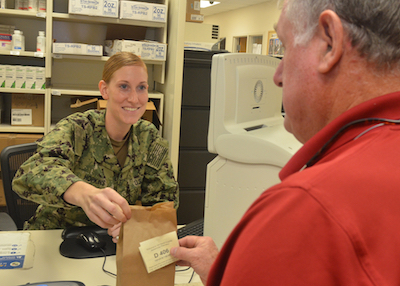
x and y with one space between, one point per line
12 158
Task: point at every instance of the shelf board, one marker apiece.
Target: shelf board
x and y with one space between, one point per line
105 20
22 54
77 92
22 90
22 14
98 58
7 128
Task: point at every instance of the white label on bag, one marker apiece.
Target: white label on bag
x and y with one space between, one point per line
156 251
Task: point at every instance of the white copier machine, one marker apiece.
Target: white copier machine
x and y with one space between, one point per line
246 131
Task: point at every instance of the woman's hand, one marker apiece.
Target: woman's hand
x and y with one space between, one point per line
114 232
197 252
105 207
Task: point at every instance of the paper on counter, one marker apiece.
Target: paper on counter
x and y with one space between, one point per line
16 250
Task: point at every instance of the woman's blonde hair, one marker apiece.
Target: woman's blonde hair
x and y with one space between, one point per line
118 61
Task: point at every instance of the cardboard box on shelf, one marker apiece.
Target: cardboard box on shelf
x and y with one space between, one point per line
147 50
113 46
77 49
10 76
27 109
40 78
148 114
9 139
197 18
136 10
193 7
109 8
2 76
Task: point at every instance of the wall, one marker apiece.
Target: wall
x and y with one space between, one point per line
250 21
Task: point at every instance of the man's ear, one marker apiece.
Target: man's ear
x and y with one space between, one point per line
103 89
331 33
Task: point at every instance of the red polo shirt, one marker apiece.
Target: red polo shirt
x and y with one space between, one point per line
334 223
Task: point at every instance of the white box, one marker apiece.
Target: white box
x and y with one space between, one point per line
2 76
106 8
40 78
67 48
143 11
20 75
10 76
77 49
30 77
145 50
154 51
5 41
113 46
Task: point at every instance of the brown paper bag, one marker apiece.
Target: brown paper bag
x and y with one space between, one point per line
145 223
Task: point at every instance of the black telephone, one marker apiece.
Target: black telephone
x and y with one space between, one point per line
71 248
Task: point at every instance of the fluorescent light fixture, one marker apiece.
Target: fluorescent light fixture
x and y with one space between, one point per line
206 3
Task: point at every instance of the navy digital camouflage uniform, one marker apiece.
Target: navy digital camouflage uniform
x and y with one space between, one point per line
79 149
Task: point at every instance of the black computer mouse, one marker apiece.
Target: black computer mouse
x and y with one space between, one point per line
91 240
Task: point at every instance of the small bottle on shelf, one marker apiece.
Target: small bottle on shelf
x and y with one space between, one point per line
41 42
32 5
21 5
3 4
17 41
23 41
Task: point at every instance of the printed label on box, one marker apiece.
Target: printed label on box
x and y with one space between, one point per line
21 116
110 8
159 13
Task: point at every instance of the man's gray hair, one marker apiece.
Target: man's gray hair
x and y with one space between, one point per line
372 25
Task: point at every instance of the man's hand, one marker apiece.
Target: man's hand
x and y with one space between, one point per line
197 252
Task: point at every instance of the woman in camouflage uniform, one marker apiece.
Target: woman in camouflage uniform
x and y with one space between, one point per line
93 165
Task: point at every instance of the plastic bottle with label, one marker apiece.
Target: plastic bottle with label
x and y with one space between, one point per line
41 42
17 41
32 5
21 4
41 6
23 41
2 4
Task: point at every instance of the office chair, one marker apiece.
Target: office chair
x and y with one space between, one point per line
11 158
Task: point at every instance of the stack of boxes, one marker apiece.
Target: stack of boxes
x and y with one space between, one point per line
25 77
131 10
